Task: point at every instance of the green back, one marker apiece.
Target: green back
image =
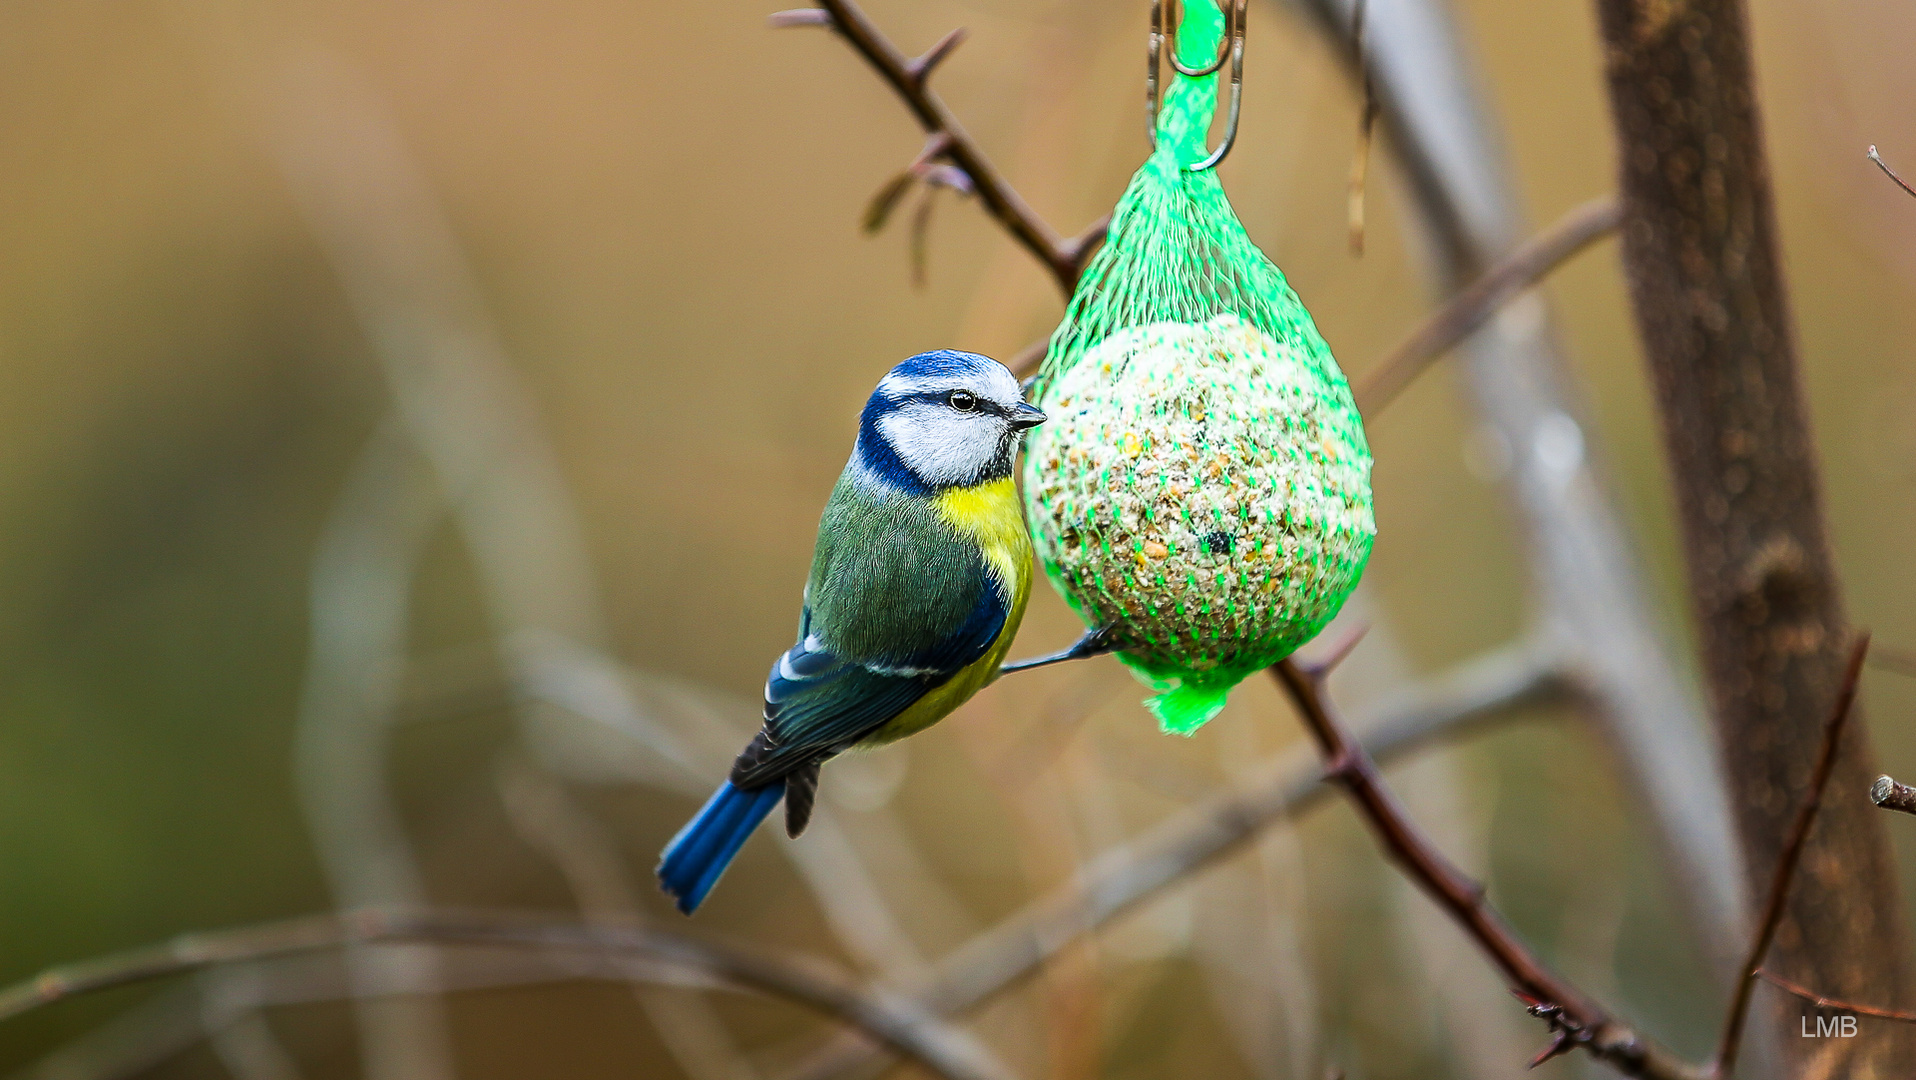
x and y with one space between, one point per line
889 577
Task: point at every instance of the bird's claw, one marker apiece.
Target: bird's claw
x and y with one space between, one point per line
1093 643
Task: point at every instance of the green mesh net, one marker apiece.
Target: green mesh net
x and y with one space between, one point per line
1203 485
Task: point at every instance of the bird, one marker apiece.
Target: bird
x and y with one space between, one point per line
918 582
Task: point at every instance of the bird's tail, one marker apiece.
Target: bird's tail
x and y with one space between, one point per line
703 849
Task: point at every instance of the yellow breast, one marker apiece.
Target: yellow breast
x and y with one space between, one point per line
990 516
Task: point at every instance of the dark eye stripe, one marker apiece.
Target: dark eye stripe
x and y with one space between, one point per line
943 397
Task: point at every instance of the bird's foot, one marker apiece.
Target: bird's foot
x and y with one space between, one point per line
1093 643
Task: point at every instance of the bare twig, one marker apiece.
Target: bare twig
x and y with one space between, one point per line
901 1028
1063 256
1839 1004
1576 1020
1887 171
1887 793
1773 906
1481 299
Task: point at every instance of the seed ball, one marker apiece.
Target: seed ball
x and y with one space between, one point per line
1204 490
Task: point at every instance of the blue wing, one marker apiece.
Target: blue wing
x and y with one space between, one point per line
818 703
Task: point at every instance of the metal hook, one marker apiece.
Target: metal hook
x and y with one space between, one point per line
1164 34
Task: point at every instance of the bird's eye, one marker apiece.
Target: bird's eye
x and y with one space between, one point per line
963 401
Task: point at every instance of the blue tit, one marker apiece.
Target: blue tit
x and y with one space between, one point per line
919 579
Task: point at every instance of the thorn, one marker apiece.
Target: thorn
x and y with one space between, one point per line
782 20
1342 767
936 144
920 68
1319 670
1559 1045
948 176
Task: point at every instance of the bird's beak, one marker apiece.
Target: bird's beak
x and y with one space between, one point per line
1026 416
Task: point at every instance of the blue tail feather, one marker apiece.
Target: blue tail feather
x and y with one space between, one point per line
703 849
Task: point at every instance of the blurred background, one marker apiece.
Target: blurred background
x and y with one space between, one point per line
414 419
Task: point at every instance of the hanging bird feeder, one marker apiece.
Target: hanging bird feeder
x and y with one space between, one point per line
1201 495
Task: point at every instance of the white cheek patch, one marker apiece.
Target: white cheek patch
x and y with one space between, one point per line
942 446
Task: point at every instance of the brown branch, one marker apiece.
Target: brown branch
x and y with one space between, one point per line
1482 298
1576 1020
1887 793
1063 256
1725 1061
1839 1004
1702 255
905 1030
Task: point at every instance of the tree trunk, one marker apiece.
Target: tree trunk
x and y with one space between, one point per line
1700 251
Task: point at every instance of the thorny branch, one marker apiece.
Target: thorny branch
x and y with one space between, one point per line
1725 1061
967 170
910 78
1575 1019
903 1029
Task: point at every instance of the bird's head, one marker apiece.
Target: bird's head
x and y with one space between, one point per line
944 419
